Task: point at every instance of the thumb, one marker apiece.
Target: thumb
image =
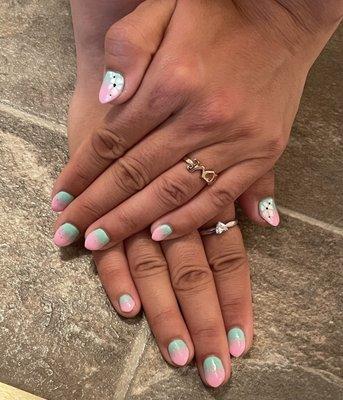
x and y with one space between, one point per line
258 202
130 45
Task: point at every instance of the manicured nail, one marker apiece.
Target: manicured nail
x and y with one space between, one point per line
268 211
61 200
112 86
65 235
236 339
161 232
96 240
178 352
126 303
214 371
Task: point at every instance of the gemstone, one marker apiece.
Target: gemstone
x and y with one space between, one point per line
220 228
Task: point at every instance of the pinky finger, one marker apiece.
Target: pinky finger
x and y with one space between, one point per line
258 202
114 274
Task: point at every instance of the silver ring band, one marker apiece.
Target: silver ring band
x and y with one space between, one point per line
220 228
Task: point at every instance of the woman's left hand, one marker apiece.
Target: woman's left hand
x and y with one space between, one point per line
223 88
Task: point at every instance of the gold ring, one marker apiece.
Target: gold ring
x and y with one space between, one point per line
208 176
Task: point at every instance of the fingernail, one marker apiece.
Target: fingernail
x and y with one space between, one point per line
96 240
236 339
268 211
112 86
161 232
65 235
126 303
214 371
178 352
61 200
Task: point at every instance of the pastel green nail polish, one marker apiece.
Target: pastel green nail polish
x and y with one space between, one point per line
268 211
236 339
178 352
61 200
97 240
126 303
214 371
66 234
161 232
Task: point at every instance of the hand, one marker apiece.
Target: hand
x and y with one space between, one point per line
226 95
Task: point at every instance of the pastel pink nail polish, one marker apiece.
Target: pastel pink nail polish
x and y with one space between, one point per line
178 352
112 86
268 211
126 303
161 232
96 240
65 235
214 371
236 339
61 200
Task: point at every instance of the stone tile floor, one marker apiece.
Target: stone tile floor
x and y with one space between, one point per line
60 339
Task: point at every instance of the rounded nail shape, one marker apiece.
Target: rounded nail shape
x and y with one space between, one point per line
126 303
214 371
268 211
178 352
161 232
112 86
236 340
61 200
96 240
65 235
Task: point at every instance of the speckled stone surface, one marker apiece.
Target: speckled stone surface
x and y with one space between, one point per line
59 337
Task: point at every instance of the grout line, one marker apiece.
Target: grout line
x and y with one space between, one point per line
61 128
34 119
131 363
311 221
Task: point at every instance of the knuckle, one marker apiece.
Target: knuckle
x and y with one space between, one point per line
275 145
146 265
191 278
172 192
130 174
90 208
81 172
124 219
107 145
160 318
230 259
207 331
221 198
213 113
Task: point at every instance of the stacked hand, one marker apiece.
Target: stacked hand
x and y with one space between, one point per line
218 82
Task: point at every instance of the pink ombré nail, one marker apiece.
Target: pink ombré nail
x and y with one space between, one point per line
236 339
65 235
268 211
61 200
178 352
161 232
126 303
96 240
214 371
112 86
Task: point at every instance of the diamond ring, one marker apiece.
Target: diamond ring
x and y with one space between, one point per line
220 228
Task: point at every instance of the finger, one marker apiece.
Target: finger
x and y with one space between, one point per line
114 274
194 287
129 47
228 260
258 202
150 273
169 191
210 202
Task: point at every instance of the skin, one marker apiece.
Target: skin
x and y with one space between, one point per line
191 289
225 93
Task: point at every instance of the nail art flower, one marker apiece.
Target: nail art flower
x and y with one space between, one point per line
268 211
